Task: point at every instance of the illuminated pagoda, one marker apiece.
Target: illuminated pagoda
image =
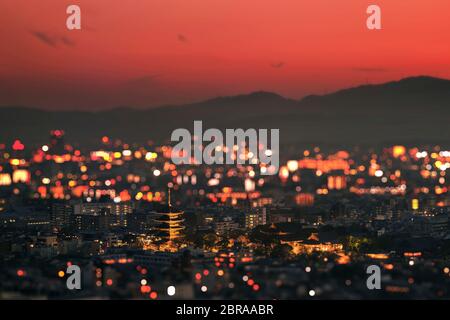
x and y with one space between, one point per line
169 227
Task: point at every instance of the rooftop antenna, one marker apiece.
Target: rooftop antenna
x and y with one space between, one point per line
169 203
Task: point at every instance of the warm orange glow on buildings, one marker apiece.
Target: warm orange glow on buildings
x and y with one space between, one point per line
21 176
304 199
415 204
412 254
5 179
337 182
324 165
398 151
343 259
298 247
378 256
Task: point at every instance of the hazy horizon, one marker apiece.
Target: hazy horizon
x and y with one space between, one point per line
100 109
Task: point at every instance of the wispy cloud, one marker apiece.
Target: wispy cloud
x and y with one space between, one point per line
44 38
182 38
67 41
52 40
277 65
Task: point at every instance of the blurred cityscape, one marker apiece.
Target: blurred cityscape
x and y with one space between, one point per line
141 227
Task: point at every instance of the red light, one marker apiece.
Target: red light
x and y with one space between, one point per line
205 272
18 146
255 287
20 273
109 282
57 133
198 276
146 289
250 282
153 295
144 271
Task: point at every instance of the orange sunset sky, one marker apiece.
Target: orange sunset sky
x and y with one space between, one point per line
146 53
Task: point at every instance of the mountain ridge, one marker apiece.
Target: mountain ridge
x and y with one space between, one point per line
410 109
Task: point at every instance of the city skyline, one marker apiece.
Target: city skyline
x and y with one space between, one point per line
308 232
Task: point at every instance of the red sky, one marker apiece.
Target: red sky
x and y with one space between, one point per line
150 52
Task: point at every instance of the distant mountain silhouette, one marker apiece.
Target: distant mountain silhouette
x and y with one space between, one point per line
412 111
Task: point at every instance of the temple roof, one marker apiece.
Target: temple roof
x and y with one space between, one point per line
297 232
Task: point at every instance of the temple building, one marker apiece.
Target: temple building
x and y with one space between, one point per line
169 227
302 240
